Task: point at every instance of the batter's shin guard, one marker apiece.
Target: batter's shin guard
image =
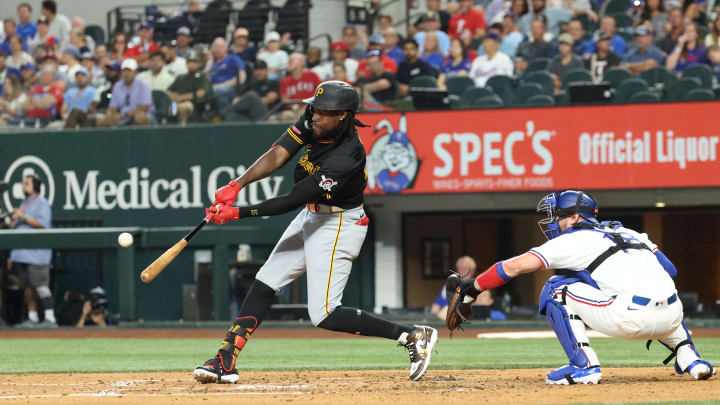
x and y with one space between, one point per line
235 340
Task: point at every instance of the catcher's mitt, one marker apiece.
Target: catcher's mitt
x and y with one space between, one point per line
461 294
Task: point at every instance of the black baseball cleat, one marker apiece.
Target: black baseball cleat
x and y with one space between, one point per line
419 344
214 371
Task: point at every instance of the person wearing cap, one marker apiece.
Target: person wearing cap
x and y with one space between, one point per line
17 56
380 85
376 43
493 63
533 47
467 19
26 28
157 77
44 100
175 65
299 84
339 54
59 25
70 64
77 100
28 76
182 41
565 60
226 70
434 6
266 88
608 27
431 23
411 67
131 102
645 55
276 58
142 45
101 101
390 47
191 89
603 59
94 73
42 37
257 99
241 45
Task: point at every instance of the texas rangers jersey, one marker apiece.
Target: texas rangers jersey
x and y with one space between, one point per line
633 271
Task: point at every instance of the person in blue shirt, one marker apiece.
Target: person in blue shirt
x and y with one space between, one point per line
645 56
466 267
32 266
577 31
617 43
455 65
226 70
26 28
6 70
431 51
76 101
10 29
391 48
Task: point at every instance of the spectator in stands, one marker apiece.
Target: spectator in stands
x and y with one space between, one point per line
714 58
577 31
390 47
314 57
455 65
26 28
384 22
32 266
299 84
434 6
673 29
42 37
77 39
101 101
157 77
70 58
466 267
247 107
28 76
118 46
183 40
603 59
100 52
11 102
131 101
241 45
534 47
44 100
608 27
518 9
266 88
174 64
553 18
59 24
688 51
511 35
78 25
380 85
226 70
467 18
376 43
10 29
340 73
431 51
339 54
493 63
190 89
431 23
141 46
565 60
350 38
273 56
653 11
645 55
411 67
95 73
76 101
713 36
18 57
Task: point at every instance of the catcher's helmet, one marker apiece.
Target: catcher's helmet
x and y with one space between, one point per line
564 203
335 95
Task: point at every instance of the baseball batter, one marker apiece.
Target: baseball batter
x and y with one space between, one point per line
322 240
620 285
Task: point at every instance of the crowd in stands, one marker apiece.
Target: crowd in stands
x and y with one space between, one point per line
53 73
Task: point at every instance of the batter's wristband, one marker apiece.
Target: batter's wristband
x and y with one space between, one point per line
493 277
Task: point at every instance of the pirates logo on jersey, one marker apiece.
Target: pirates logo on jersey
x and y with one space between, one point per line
327 184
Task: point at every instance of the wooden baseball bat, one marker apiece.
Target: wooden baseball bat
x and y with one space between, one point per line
166 258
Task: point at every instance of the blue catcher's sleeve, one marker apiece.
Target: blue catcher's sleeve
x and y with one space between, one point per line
666 263
441 299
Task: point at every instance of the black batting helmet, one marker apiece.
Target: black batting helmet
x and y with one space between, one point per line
335 95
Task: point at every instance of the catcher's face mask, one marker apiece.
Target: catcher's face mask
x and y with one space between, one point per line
549 226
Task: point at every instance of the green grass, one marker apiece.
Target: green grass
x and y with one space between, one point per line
133 355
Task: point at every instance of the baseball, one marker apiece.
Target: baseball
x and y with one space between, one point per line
125 239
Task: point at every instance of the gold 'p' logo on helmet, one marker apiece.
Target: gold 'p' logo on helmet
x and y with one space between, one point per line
319 91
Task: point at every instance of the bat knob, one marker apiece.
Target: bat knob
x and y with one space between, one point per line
145 277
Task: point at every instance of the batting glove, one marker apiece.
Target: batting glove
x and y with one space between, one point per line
227 195
220 213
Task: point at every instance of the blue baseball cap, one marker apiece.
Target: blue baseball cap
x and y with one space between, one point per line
495 37
82 70
399 137
642 30
27 65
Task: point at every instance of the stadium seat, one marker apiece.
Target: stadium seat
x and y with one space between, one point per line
523 93
624 24
614 6
213 22
576 75
488 102
562 98
458 85
474 93
424 81
540 100
644 97
542 78
291 18
162 105
702 73
96 32
700 95
538 64
717 93
628 87
677 90
253 16
615 76
657 77
502 86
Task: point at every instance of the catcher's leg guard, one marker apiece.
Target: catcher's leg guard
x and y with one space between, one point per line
687 359
569 329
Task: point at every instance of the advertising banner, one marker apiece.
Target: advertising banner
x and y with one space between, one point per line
603 147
